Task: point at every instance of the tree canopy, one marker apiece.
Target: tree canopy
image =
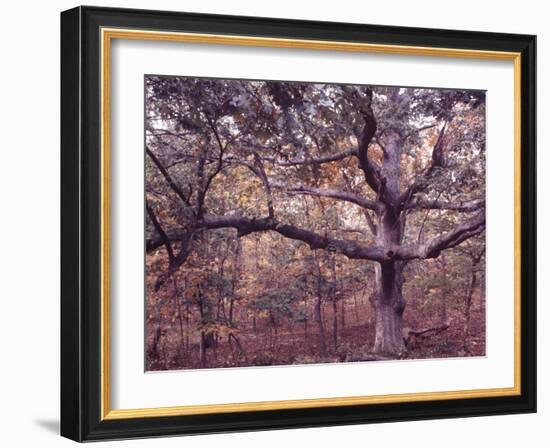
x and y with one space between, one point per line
375 173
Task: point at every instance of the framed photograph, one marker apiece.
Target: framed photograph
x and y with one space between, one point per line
272 224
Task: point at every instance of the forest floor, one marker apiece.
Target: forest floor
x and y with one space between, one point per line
290 344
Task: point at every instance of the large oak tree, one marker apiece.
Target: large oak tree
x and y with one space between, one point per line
393 155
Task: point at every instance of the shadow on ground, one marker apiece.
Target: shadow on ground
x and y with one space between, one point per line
51 425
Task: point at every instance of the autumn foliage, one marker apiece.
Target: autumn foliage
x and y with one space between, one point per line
293 223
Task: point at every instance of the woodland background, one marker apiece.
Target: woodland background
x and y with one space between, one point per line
269 203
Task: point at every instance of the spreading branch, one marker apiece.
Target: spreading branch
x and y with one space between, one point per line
351 249
433 247
437 161
205 180
346 196
371 171
244 226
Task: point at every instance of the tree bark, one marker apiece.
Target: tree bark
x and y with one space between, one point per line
388 304
387 299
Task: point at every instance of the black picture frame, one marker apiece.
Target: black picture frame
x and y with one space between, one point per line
81 414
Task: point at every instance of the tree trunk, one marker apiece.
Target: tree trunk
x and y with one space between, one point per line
236 273
202 349
318 308
468 306
181 346
202 341
320 326
389 305
445 290
231 307
274 331
187 312
334 324
355 307
387 298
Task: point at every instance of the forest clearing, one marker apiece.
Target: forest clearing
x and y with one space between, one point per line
299 223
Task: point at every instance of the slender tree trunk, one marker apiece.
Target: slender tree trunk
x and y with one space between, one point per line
273 323
468 305
319 319
231 307
467 311
445 290
334 303
334 324
202 343
187 313
202 349
305 318
318 308
239 346
155 346
236 273
181 346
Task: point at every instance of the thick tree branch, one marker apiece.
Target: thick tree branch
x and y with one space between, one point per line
371 171
438 157
244 226
352 249
433 247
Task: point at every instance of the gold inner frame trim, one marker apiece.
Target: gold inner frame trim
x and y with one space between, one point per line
107 35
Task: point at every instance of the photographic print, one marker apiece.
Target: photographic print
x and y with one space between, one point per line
303 222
